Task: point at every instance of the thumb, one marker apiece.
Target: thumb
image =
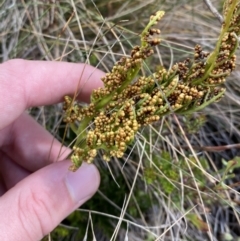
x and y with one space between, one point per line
38 203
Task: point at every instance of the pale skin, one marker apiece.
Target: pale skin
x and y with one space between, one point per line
36 189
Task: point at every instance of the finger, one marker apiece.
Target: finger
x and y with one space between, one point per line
35 83
30 145
11 172
37 204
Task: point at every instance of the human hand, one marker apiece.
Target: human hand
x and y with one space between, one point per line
36 189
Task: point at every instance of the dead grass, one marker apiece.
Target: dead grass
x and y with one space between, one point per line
99 33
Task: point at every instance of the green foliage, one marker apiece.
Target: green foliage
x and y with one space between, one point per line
194 122
227 172
60 233
198 222
166 172
129 101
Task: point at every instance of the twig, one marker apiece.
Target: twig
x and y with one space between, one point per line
214 148
214 10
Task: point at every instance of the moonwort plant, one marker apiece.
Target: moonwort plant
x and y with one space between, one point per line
129 101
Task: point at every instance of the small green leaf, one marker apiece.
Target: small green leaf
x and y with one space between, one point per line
198 222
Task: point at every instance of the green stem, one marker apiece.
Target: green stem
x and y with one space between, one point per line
82 130
197 108
211 61
153 21
133 71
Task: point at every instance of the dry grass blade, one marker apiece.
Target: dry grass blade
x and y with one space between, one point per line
177 166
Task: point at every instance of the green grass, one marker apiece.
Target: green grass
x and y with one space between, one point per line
170 183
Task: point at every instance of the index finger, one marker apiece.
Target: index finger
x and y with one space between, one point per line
35 83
